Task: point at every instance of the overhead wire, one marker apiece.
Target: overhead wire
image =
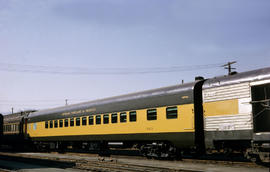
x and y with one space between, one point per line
61 70
45 101
38 103
100 71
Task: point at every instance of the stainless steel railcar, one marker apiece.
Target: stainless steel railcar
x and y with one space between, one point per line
237 113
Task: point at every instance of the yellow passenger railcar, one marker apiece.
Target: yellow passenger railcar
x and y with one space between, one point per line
164 116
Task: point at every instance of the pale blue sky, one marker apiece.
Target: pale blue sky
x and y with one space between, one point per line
123 33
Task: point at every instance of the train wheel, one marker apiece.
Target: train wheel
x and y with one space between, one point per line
160 150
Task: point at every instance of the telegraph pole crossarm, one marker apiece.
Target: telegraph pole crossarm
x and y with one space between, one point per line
229 67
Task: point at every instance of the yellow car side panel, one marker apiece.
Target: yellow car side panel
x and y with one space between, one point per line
183 123
225 107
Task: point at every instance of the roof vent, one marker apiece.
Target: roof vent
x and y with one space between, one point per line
233 73
199 78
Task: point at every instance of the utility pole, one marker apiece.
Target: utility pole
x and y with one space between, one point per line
66 102
229 67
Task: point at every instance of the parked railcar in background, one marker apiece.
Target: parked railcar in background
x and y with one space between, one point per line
15 129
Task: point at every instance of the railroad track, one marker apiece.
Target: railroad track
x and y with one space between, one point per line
113 166
235 161
100 164
126 163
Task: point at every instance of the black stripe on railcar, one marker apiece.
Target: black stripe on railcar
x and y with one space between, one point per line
175 138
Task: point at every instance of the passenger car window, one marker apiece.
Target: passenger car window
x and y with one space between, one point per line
60 123
171 112
78 121
71 122
114 118
51 124
123 117
83 120
151 114
91 120
66 122
17 127
46 124
105 119
98 119
132 116
55 123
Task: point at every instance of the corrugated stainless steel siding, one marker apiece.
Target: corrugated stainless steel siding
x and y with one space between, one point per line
235 91
228 122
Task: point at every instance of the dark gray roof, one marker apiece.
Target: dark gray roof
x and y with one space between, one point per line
254 75
16 117
171 95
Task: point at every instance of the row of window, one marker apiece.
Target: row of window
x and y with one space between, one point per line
11 128
171 113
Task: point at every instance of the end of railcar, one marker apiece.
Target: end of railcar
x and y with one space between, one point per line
1 128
